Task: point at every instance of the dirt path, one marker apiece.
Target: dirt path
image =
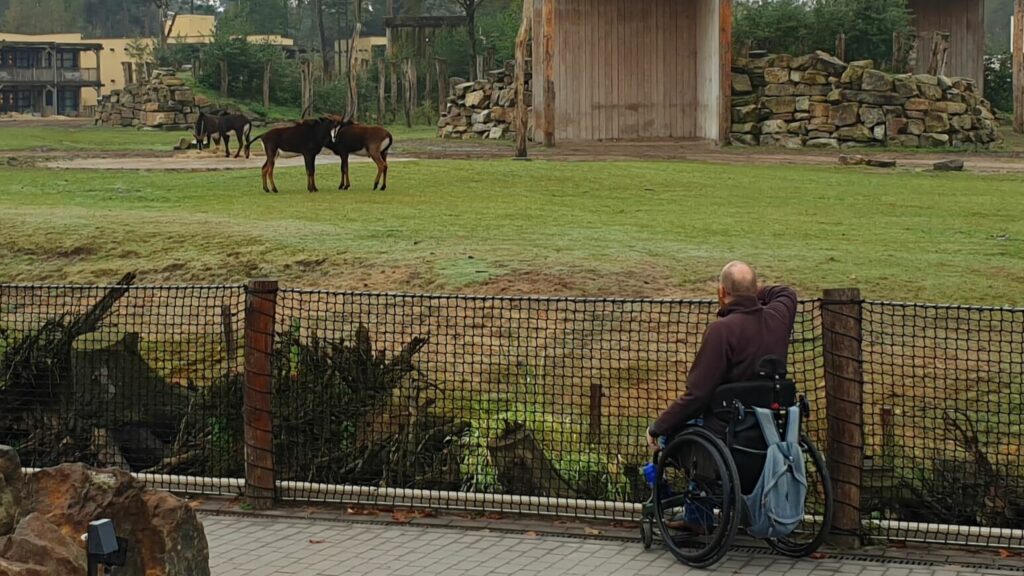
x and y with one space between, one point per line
193 161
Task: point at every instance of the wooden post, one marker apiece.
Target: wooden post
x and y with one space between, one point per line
1018 66
724 71
940 53
407 87
480 67
897 52
595 413
227 324
396 105
224 78
414 85
260 310
841 315
522 38
353 73
381 100
549 72
888 435
266 86
841 46
306 78
442 83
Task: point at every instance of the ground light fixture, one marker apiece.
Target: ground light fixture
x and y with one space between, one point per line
103 547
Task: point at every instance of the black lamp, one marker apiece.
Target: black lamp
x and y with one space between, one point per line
104 547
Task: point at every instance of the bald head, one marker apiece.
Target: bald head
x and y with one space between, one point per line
738 279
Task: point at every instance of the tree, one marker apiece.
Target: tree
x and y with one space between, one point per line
469 8
256 17
43 16
162 7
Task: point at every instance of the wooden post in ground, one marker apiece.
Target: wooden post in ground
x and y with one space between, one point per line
940 53
522 39
266 86
841 46
1018 66
549 72
442 83
841 314
897 52
224 78
396 104
407 87
596 393
260 310
381 100
724 71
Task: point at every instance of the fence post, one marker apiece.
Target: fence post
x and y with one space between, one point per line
260 308
596 392
841 313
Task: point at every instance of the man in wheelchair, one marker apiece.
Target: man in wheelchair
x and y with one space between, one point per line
748 344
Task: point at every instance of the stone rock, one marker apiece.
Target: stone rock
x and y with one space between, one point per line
797 128
819 134
814 78
172 81
919 115
936 122
866 64
744 128
881 163
803 104
747 100
843 114
931 140
949 107
893 112
894 126
743 139
810 90
781 61
38 547
745 113
166 537
480 128
776 75
800 62
819 109
183 96
741 84
796 76
871 116
879 132
11 481
481 117
944 83
853 75
774 127
827 63
949 166
780 105
907 140
151 107
507 97
153 119
496 133
202 101
873 98
918 104
905 87
931 92
779 90
876 81
801 116
963 122
857 133
926 79
474 99
852 160
822 143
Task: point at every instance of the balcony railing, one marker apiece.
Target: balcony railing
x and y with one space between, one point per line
49 75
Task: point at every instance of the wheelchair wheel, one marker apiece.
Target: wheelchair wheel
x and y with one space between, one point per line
646 533
697 498
811 533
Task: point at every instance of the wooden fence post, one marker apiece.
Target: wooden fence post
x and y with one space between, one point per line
548 16
522 39
596 393
381 101
841 46
224 78
266 86
260 310
940 54
1018 66
841 313
442 85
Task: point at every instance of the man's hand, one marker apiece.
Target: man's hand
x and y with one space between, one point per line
652 441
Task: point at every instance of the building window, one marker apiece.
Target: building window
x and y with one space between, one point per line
67 59
68 101
23 100
48 97
23 59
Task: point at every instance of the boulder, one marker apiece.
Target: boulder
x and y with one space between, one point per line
894 126
936 122
949 107
797 128
926 80
944 82
507 97
172 81
153 119
881 163
743 139
879 132
796 76
905 87
774 126
857 133
39 548
745 113
853 76
741 84
779 90
812 90
164 534
474 99
865 64
871 116
918 104
949 166
780 105
822 143
843 114
876 81
776 75
852 160
496 133
827 63
744 128
202 101
962 122
803 104
481 117
11 480
931 92
863 97
819 109
907 140
932 140
814 78
183 96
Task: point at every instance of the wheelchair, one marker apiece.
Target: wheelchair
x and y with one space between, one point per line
696 506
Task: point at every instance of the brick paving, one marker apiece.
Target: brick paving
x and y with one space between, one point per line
256 546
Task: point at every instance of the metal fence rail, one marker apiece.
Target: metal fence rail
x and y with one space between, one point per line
517 404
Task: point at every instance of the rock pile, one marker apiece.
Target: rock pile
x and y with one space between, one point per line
163 102
485 108
820 101
42 516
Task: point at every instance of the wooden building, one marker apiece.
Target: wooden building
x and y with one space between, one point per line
46 77
631 69
964 21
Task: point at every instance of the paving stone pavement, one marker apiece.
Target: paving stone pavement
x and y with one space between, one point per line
253 546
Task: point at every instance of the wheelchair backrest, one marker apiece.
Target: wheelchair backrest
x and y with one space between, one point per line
770 394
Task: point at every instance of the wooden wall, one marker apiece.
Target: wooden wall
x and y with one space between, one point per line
965 21
633 69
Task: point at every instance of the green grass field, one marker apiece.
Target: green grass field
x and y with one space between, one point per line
611 228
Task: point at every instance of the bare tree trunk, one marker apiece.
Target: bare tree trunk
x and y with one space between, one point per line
471 30
353 71
522 39
381 101
442 85
940 54
396 105
224 78
407 81
325 47
1018 66
266 86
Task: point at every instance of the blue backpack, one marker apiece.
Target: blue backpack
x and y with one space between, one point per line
776 506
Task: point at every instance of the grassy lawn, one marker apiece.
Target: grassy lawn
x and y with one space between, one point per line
623 228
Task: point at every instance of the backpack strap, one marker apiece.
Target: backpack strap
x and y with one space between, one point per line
767 421
793 425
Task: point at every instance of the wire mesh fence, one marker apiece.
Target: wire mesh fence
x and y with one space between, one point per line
944 422
517 404
141 379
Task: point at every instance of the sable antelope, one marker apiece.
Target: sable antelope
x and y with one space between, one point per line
306 137
354 138
219 127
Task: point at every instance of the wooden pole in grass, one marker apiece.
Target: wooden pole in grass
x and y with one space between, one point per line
841 314
257 415
266 86
442 84
548 14
522 39
1018 66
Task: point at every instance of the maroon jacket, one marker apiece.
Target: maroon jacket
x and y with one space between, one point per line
747 330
